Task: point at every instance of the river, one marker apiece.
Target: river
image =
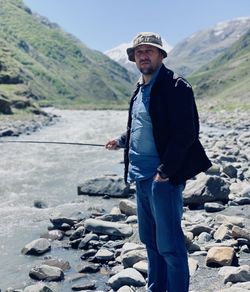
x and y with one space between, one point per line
51 173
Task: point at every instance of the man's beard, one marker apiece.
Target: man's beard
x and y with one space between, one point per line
147 71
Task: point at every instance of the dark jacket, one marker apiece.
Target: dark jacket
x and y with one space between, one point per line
175 124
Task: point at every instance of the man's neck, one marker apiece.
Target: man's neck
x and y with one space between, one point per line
146 78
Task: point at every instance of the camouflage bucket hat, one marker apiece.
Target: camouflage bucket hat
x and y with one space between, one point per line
145 38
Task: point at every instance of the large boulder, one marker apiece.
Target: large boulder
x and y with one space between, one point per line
111 186
206 189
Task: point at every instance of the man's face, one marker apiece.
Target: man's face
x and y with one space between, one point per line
148 59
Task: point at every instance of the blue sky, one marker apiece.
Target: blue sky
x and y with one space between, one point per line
104 24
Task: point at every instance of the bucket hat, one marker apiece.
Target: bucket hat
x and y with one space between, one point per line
145 38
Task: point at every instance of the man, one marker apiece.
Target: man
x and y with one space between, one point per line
162 151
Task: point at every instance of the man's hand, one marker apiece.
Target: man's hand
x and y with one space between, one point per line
159 178
112 145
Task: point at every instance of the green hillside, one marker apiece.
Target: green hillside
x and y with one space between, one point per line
226 80
42 63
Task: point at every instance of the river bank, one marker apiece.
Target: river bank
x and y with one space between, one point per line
226 138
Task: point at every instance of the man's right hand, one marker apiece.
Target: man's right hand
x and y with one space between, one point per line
112 145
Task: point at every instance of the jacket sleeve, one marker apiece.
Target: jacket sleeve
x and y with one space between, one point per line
122 140
182 127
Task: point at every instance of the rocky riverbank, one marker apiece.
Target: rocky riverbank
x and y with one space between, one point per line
13 127
216 224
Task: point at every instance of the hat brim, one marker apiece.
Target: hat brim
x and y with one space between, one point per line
131 51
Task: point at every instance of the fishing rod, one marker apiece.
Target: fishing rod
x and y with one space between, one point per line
52 142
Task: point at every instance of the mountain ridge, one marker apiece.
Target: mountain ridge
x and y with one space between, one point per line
54 66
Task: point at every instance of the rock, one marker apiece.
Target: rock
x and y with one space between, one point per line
112 217
128 277
205 189
58 223
231 220
5 106
46 273
53 235
141 266
88 268
222 233
88 253
225 243
213 207
83 287
127 207
220 256
85 241
125 288
230 171
242 201
37 247
204 237
108 228
129 258
193 266
104 255
40 204
241 274
132 219
238 232
59 263
198 229
38 288
78 233
107 185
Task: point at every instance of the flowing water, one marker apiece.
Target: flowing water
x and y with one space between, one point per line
51 173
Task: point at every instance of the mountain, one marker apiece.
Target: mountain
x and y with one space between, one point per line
227 77
201 47
40 62
119 55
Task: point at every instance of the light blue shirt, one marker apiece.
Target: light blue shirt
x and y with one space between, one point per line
143 156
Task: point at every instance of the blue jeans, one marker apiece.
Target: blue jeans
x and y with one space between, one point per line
159 210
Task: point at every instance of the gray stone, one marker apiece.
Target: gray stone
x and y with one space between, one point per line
86 240
129 258
39 287
205 189
88 268
46 273
59 263
222 233
108 185
238 232
53 235
241 274
230 170
141 266
104 255
128 277
230 220
125 288
127 207
37 247
213 207
108 228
